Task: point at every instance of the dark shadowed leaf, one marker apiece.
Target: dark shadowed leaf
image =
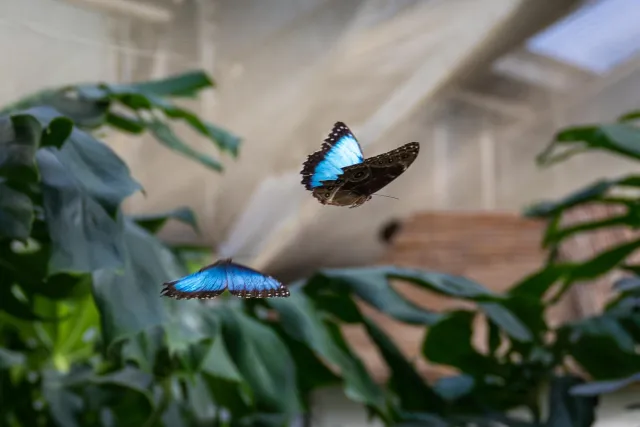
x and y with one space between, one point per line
129 300
448 342
414 393
538 283
567 410
300 319
601 338
16 213
604 387
263 360
592 192
504 318
84 236
604 261
19 139
125 123
154 222
57 132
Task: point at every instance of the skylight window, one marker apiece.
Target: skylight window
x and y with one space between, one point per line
597 37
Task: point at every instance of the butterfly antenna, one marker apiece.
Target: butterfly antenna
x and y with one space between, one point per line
382 195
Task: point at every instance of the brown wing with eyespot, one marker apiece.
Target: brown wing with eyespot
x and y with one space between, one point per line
383 169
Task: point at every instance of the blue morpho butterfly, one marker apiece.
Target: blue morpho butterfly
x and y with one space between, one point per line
339 175
212 280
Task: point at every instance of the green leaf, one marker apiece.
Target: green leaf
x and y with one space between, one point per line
504 318
92 164
58 131
448 342
154 222
600 338
224 380
593 192
538 283
186 325
186 85
619 138
371 284
19 139
263 360
630 116
65 406
412 390
604 261
84 236
16 213
125 123
300 319
596 388
167 137
129 301
567 410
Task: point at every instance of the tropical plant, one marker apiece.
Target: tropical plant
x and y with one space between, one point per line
85 338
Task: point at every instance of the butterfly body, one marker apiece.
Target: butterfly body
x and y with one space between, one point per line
212 280
339 175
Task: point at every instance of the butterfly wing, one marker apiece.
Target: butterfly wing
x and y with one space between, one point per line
339 150
245 282
377 172
209 282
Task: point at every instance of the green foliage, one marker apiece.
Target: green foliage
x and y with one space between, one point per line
86 339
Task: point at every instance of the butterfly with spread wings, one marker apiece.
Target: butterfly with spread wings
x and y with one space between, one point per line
212 280
339 175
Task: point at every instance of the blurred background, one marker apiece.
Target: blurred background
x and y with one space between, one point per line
483 85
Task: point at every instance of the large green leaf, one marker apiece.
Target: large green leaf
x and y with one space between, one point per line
300 319
16 213
406 382
84 236
129 300
19 139
263 360
94 166
567 410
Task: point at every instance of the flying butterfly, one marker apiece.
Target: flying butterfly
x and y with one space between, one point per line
339 175
212 280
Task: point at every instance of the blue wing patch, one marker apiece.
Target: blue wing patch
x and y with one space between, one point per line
248 283
339 150
213 279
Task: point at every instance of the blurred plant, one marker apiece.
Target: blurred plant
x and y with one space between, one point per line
85 338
